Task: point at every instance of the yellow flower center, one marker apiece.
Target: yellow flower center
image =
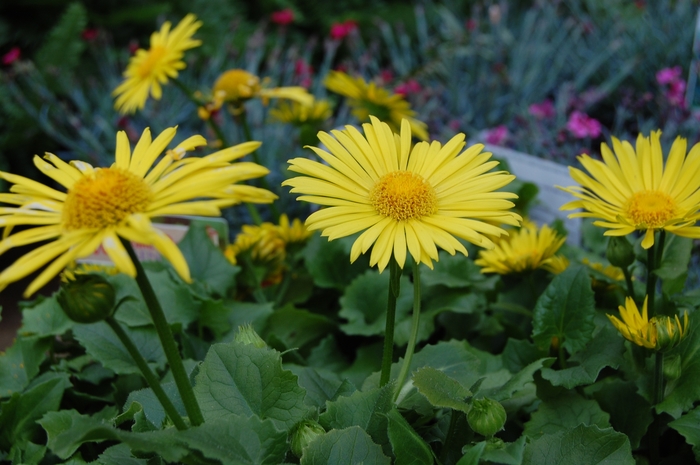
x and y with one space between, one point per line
237 84
651 209
403 195
152 60
104 199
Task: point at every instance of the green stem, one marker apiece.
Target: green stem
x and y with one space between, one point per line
148 374
249 269
651 280
562 357
658 396
394 287
628 280
415 324
167 340
283 287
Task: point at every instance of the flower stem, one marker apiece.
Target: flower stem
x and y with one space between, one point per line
415 325
654 256
628 280
249 269
394 287
147 373
658 396
167 340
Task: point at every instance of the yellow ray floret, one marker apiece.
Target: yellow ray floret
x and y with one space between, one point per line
631 190
149 69
403 199
366 98
660 332
103 205
529 248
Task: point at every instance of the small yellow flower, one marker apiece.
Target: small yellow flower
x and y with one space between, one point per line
297 113
102 205
149 69
659 333
631 190
76 269
294 232
529 248
614 273
367 99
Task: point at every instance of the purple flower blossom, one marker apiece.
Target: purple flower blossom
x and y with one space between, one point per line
580 125
542 110
497 135
668 75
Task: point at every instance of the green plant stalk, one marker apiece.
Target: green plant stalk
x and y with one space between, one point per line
249 269
628 280
388 352
167 340
147 373
654 257
252 210
415 325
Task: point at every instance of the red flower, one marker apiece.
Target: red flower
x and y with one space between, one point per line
11 56
89 34
133 46
471 24
409 87
282 17
341 30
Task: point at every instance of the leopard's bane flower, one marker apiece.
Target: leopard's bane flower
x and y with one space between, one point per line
149 69
298 113
402 198
102 205
630 190
237 86
529 248
366 98
660 333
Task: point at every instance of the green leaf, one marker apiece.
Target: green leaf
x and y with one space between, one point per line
441 390
629 412
518 353
457 272
214 314
173 295
245 380
119 455
366 409
564 413
296 328
582 445
473 454
604 350
206 261
68 429
20 363
566 311
20 412
328 262
510 454
320 385
29 454
239 440
104 346
152 408
63 45
516 383
682 393
44 319
364 304
409 448
673 269
688 426
349 446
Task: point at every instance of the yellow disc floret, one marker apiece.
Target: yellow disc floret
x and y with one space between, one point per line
651 209
105 199
403 195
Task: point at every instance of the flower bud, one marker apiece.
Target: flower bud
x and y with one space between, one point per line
669 331
672 367
303 433
87 298
247 335
486 416
620 252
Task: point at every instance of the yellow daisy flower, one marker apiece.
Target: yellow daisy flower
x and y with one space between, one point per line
236 86
294 232
630 189
368 99
661 332
102 205
529 248
402 197
148 69
298 113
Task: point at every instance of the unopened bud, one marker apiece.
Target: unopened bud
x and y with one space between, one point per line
247 335
620 252
87 298
669 331
486 416
303 433
672 367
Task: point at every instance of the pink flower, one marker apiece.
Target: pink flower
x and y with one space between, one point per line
302 68
282 17
409 87
341 30
542 110
471 25
497 135
676 94
89 34
580 125
386 76
133 46
11 56
668 75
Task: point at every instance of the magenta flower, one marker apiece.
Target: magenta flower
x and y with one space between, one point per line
497 135
676 94
341 30
580 125
11 56
668 75
282 17
409 87
542 110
